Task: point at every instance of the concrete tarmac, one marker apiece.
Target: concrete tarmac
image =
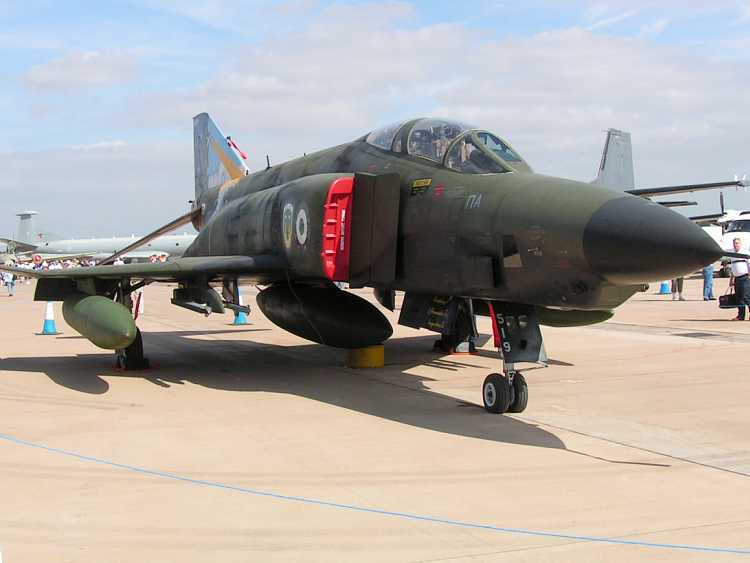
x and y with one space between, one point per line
250 444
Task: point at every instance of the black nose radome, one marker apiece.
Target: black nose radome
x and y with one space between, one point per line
630 240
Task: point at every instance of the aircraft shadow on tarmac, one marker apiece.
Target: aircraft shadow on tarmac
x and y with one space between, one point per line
311 371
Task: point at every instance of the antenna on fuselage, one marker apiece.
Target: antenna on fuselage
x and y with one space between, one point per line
268 162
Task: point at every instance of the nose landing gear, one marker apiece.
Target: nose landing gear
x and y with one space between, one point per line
516 333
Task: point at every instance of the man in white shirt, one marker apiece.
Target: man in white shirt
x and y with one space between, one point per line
740 281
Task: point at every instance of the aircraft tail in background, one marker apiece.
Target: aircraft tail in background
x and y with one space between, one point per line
26 231
616 167
217 158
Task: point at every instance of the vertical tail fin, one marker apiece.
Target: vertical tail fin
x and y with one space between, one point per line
616 167
216 162
26 232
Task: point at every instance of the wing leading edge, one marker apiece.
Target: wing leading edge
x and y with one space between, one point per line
210 268
686 188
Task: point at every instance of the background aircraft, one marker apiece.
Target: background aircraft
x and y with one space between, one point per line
446 212
28 244
616 172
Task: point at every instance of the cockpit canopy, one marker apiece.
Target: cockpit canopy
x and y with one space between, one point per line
455 145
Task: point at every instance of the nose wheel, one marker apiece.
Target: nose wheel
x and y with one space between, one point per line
496 391
516 334
505 392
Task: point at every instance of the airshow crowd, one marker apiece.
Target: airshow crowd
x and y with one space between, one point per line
10 279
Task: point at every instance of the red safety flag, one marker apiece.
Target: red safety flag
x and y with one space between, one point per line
234 145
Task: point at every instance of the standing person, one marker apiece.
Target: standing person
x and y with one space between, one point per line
708 283
677 285
9 279
740 281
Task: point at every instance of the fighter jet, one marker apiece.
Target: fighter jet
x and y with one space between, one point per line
448 213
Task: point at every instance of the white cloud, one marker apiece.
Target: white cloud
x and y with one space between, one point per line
655 27
97 146
80 70
611 20
552 94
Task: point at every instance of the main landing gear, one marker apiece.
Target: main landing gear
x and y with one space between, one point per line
516 333
132 357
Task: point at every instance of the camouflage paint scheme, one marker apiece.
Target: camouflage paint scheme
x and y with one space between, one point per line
516 236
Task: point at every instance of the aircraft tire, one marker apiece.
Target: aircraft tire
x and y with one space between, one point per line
132 358
496 393
520 394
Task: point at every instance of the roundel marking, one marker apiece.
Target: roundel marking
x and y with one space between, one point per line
287 224
301 226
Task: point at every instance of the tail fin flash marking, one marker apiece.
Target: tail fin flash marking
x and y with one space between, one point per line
616 167
215 160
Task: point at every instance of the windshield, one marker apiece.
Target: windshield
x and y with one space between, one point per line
737 226
498 147
430 138
470 155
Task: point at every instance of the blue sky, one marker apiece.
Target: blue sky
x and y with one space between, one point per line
100 97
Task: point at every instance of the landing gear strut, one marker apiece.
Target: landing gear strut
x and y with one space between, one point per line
130 358
516 333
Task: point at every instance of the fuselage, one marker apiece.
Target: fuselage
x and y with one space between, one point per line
515 236
100 248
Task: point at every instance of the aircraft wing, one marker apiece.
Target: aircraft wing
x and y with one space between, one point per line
709 219
211 268
677 203
668 190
